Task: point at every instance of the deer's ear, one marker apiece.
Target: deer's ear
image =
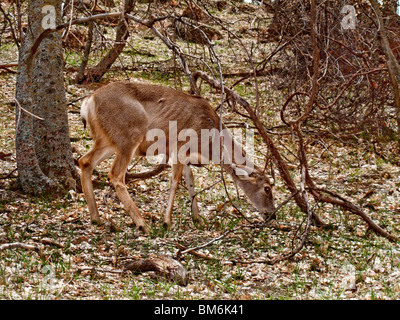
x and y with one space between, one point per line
241 170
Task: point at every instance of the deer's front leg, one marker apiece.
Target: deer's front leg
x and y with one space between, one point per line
176 176
189 179
117 178
87 163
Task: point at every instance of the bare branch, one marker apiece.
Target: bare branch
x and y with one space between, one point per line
20 245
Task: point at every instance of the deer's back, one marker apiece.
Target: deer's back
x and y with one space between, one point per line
131 109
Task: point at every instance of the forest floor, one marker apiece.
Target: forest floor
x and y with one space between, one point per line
345 260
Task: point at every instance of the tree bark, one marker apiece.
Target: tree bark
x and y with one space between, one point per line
391 62
43 150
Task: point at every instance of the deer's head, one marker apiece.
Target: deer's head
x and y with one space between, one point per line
257 188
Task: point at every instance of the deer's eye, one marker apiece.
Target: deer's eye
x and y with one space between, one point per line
267 189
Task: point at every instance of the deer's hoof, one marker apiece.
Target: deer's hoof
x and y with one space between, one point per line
96 222
166 226
143 228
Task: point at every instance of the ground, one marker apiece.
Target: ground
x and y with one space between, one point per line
345 260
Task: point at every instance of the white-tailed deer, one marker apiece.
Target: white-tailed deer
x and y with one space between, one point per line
120 117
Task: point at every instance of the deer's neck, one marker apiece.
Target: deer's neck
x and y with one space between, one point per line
237 162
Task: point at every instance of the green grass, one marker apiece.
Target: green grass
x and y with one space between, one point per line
315 273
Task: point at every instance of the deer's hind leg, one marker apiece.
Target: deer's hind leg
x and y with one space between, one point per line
176 176
117 178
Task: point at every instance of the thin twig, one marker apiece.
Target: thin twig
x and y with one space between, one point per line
28 112
66 32
9 175
251 225
95 269
210 242
193 252
48 241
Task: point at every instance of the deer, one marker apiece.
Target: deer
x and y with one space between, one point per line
120 117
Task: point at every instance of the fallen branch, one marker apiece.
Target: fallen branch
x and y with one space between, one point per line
347 205
20 245
8 65
6 70
9 175
147 174
193 252
94 270
337 200
48 241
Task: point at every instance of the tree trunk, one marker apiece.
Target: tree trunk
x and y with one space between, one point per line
88 47
391 62
97 72
43 150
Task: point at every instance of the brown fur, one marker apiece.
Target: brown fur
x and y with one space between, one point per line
120 114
